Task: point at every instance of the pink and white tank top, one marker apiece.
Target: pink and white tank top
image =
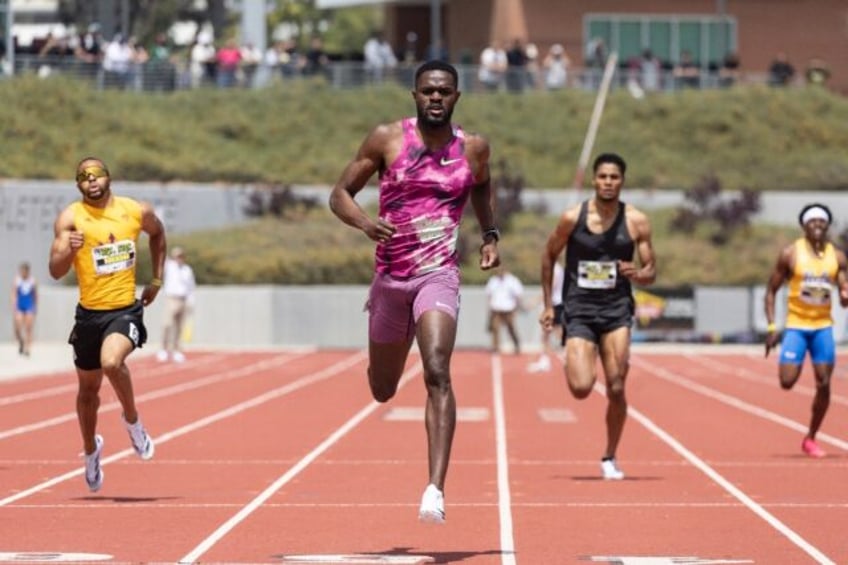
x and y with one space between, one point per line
423 193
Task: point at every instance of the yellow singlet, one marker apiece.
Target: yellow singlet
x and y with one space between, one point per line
810 287
105 265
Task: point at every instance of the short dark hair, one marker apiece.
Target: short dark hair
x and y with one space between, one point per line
613 158
92 158
437 65
815 205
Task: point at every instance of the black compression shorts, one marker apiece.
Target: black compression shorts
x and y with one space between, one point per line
591 321
92 326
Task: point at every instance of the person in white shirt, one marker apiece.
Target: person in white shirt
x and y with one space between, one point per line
504 292
178 287
379 57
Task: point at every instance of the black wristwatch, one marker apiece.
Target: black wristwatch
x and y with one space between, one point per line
494 233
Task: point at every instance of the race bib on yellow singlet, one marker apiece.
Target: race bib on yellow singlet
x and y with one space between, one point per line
113 257
815 292
596 274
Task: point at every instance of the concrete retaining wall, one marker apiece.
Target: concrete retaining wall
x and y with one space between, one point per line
333 316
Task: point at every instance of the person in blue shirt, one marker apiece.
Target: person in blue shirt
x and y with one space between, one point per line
24 302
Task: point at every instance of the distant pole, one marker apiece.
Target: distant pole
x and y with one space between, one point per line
595 121
435 29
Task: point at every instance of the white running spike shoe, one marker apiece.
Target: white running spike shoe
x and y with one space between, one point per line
432 509
93 472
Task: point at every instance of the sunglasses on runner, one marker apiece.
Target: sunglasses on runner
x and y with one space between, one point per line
96 172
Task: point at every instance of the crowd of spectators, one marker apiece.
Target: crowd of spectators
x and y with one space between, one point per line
515 66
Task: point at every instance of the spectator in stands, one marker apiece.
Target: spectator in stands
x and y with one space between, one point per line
728 73
159 72
251 58
504 292
379 57
555 66
89 50
493 66
817 73
650 71
516 72
781 72
291 61
532 68
228 58
315 58
410 50
202 61
686 72
117 62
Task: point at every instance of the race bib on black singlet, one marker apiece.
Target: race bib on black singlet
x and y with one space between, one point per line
597 274
113 257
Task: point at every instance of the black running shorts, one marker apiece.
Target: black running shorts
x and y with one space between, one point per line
92 326
591 321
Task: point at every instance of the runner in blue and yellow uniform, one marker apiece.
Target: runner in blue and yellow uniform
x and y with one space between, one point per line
811 267
97 236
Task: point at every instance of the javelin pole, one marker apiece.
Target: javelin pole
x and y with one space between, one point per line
595 121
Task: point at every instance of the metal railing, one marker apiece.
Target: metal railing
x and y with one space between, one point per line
170 75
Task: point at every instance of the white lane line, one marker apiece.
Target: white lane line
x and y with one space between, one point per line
758 378
686 383
138 374
737 493
414 505
254 504
233 410
504 495
163 392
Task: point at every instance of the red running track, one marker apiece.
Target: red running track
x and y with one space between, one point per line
282 457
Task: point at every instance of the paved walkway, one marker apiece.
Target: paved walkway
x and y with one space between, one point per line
45 358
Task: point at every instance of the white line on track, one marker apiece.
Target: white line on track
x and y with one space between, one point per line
160 393
407 504
688 384
755 377
504 495
138 374
231 411
254 504
701 465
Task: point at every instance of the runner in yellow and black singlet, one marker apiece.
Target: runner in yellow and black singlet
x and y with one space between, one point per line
97 236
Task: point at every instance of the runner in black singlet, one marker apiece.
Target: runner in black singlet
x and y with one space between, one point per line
600 237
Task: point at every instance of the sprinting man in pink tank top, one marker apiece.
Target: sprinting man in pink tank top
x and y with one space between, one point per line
428 169
423 193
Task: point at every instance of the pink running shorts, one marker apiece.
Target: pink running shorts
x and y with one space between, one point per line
395 305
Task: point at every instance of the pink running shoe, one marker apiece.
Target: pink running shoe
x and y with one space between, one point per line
811 448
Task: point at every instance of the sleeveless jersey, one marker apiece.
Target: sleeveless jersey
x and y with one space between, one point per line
810 287
423 193
105 265
24 293
591 269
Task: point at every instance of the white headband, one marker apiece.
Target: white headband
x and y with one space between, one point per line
815 213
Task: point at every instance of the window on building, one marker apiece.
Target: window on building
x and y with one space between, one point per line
708 38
